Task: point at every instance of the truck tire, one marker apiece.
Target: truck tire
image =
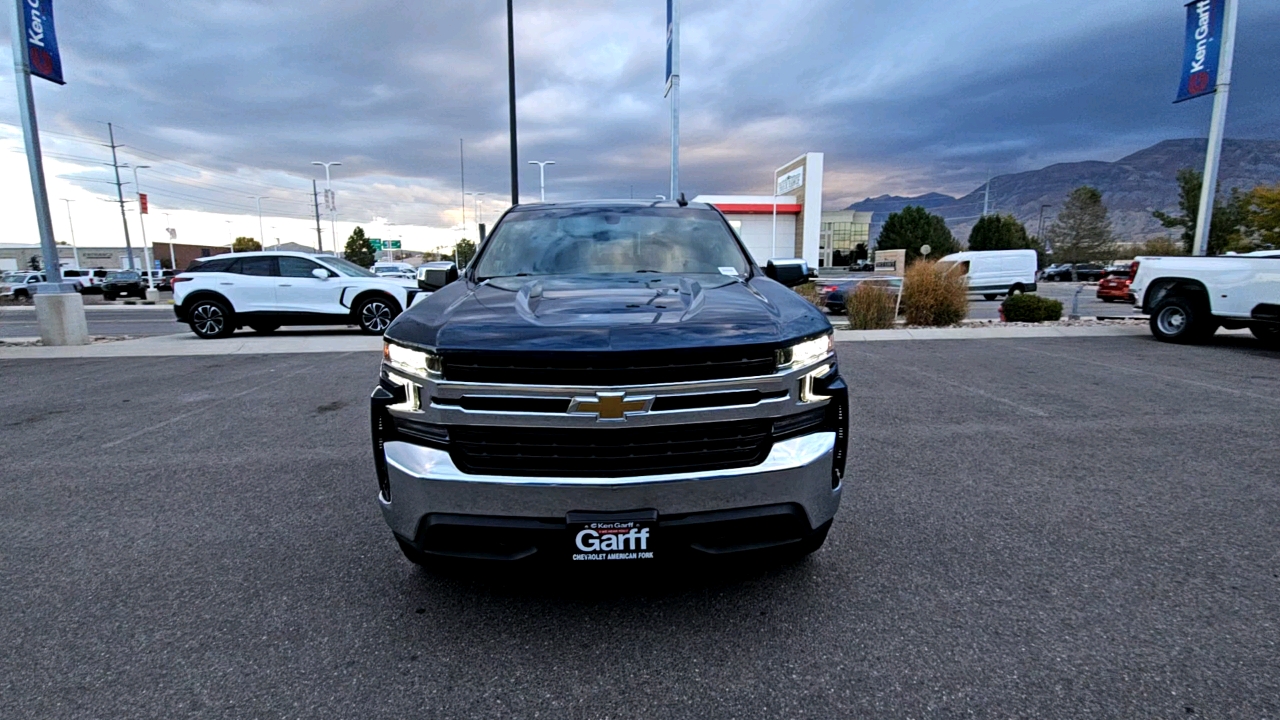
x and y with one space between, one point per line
210 319
1180 319
1269 334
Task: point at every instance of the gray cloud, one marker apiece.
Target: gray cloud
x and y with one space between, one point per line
918 96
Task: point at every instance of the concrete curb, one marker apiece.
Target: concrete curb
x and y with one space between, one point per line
990 333
188 345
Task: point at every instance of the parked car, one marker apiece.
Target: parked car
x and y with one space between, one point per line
833 295
266 290
163 279
393 269
1115 286
123 283
1189 298
16 284
615 383
85 280
1087 272
864 266
993 273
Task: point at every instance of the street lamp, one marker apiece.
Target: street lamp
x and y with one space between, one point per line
74 251
542 175
173 235
261 234
146 251
333 207
477 196
1047 249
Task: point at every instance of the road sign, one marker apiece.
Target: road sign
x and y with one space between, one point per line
393 244
376 243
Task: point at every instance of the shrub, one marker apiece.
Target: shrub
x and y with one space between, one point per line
1031 308
809 291
934 295
871 307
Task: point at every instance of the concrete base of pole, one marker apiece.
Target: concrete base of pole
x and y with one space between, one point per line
60 317
153 295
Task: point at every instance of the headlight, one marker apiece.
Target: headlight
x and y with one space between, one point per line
807 352
415 362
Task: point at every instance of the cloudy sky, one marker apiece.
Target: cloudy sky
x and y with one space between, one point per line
229 99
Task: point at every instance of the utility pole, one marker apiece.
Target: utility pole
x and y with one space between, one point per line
330 203
986 199
75 252
542 176
124 219
315 197
673 90
462 164
511 97
1217 128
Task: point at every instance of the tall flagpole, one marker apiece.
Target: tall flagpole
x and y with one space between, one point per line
673 90
1217 128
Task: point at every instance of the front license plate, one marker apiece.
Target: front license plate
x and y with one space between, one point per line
612 537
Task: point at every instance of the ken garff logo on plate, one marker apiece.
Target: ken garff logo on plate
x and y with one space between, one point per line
611 406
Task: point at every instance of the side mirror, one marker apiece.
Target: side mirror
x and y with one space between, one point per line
320 274
790 271
435 275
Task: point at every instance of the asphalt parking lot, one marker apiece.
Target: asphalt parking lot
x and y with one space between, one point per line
1033 528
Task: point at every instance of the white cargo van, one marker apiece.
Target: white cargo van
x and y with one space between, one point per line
992 273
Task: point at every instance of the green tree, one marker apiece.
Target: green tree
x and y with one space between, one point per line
464 251
914 228
1082 231
1264 214
359 250
1230 216
34 263
999 232
245 244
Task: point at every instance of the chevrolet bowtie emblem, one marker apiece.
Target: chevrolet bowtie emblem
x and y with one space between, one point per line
610 406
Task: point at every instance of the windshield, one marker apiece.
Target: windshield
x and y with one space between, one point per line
347 268
126 275
573 241
13 277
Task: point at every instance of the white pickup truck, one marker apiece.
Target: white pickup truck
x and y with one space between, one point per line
1189 298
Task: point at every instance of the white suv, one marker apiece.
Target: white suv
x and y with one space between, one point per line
265 290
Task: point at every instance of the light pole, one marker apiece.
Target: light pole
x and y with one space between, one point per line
75 252
477 196
511 101
542 176
173 235
146 251
333 206
261 234
229 240
1048 250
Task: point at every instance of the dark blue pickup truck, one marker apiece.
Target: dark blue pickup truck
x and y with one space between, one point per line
614 382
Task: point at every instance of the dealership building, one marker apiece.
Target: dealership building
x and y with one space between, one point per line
18 257
790 223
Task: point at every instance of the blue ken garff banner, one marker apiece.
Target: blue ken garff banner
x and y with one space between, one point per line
1204 41
42 44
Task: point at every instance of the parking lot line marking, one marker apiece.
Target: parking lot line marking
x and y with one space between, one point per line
967 388
205 407
1188 381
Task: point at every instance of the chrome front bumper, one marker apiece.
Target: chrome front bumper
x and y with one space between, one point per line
425 481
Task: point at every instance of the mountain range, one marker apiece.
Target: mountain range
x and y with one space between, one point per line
1132 187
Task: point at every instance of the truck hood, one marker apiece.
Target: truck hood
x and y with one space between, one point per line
595 313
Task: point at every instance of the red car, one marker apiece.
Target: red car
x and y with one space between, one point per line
1115 286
